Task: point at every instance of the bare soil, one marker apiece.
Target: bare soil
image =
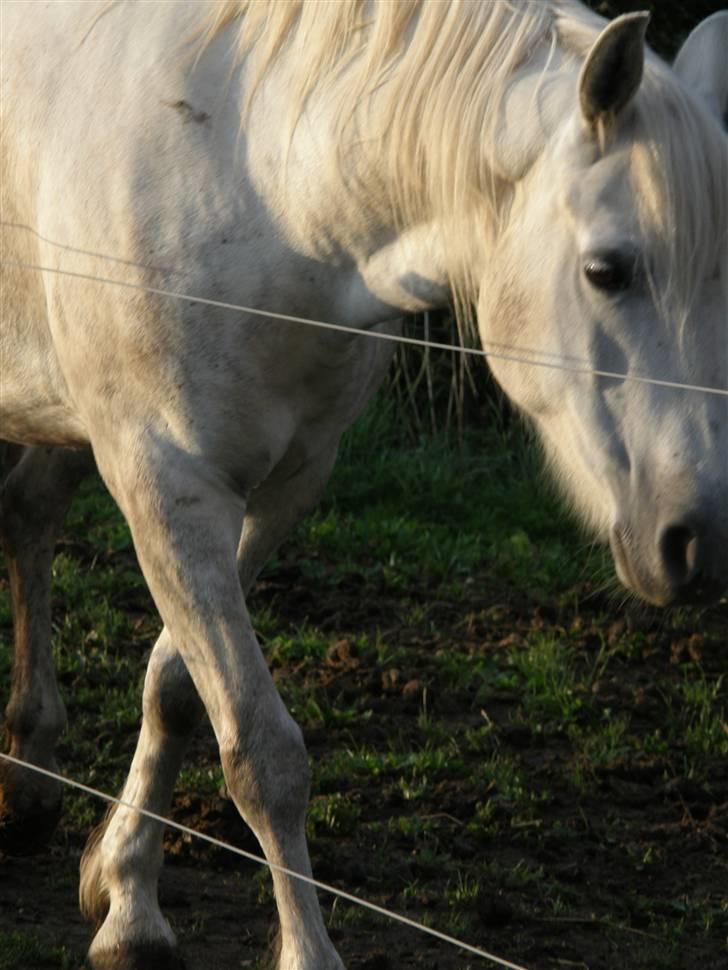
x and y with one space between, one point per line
643 830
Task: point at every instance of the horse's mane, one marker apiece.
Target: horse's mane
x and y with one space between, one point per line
441 70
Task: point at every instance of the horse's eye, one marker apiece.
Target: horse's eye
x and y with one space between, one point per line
610 272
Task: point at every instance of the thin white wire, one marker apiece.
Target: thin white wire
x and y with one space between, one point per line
376 334
428 344
250 856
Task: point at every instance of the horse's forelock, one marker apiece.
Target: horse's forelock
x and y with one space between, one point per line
679 171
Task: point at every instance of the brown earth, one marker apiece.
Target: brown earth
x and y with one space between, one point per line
642 830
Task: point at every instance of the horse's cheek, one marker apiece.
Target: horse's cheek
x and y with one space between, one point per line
506 321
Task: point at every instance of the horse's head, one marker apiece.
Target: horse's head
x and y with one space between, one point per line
614 259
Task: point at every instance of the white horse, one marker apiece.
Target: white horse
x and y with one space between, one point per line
349 162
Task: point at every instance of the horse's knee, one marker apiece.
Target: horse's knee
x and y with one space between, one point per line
267 772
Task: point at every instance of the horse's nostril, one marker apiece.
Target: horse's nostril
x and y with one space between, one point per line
680 553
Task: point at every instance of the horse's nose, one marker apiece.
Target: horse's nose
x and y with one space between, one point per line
679 549
675 569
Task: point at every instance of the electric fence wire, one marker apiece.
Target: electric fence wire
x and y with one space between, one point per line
252 857
352 331
375 334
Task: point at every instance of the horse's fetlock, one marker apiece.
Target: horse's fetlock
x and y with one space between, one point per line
93 893
156 955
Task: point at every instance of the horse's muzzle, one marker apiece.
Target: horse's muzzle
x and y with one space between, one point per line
678 570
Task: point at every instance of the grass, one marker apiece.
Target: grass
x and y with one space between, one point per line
20 949
495 749
428 512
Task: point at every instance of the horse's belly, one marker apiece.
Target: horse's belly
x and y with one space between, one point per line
33 411
41 423
34 402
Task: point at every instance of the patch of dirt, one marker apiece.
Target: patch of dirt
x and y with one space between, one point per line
644 829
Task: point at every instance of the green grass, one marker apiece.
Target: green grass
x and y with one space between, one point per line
22 950
432 512
489 744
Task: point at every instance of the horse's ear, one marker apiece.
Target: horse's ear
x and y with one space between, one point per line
702 62
612 70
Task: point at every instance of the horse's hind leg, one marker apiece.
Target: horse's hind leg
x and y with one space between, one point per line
184 529
275 509
33 503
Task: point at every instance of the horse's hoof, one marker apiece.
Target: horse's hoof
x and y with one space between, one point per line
137 956
29 814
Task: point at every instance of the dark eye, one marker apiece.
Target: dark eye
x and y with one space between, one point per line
610 271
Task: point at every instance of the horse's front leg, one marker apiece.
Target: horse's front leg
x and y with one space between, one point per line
121 862
33 503
185 529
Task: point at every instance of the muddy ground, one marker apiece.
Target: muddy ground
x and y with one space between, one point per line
642 829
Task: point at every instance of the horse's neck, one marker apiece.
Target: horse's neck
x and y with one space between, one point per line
336 207
346 220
